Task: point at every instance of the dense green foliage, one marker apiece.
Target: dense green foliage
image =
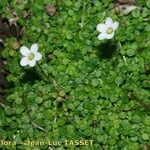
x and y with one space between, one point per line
94 87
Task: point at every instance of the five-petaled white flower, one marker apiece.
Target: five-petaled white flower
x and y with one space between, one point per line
30 56
107 29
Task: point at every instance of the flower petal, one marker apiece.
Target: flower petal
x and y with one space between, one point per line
32 63
110 36
101 27
109 21
24 61
115 25
102 36
24 51
34 48
38 56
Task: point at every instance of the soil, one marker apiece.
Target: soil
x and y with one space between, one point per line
126 1
6 30
118 3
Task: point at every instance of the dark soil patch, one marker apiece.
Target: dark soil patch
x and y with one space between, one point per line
6 30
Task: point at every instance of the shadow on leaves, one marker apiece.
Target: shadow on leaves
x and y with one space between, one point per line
30 76
107 50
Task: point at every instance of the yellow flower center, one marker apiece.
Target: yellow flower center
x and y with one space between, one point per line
31 56
109 30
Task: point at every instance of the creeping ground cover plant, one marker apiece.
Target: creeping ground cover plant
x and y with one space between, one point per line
77 74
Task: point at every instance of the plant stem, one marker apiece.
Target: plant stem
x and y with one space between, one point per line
2 105
31 122
83 15
46 76
133 97
55 119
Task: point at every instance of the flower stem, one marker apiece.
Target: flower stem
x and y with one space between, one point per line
42 71
83 15
46 76
115 40
34 125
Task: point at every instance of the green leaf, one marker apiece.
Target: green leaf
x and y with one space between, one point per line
39 100
130 52
62 93
145 136
18 100
95 82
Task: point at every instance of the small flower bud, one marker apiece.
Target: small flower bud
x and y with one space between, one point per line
59 99
51 10
50 56
15 45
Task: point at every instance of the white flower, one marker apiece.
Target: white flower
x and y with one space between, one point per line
107 29
30 56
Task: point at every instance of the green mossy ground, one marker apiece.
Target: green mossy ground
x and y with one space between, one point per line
96 90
